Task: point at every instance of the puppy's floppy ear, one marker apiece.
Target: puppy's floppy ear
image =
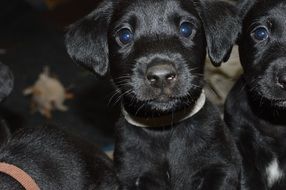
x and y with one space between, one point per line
244 7
221 25
6 81
86 40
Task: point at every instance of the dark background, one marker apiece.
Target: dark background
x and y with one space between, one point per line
33 37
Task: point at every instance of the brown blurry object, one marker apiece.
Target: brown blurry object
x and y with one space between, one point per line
221 79
48 94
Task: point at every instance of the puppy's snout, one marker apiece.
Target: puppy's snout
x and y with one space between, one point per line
161 75
282 80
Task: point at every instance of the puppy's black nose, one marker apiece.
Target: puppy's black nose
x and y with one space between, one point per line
282 80
161 75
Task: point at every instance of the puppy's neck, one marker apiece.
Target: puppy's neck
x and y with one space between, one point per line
165 120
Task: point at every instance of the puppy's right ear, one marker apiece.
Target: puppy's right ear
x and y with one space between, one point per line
86 40
6 81
244 7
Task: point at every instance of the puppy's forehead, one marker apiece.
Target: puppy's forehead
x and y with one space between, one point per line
274 9
269 13
152 13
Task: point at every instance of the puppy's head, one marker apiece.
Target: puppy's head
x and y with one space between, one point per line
262 49
155 50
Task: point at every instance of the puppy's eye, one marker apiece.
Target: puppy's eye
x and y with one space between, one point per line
124 36
186 29
260 33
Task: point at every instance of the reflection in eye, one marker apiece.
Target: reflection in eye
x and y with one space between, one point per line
125 36
186 29
260 33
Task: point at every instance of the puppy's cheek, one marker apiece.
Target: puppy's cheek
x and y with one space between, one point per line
182 88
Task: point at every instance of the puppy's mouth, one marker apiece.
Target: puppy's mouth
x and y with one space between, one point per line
273 101
267 89
161 86
160 105
164 98
279 103
163 120
164 103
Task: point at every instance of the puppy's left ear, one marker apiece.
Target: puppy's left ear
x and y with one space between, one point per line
222 26
86 40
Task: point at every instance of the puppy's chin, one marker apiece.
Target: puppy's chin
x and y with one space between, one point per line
270 101
281 104
264 91
162 106
158 107
154 108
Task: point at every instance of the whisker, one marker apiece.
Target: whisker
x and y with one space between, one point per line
117 92
140 108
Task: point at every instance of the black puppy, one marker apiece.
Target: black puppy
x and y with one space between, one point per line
52 159
55 161
169 137
256 106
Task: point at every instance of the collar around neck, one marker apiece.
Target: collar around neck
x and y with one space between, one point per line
19 175
165 120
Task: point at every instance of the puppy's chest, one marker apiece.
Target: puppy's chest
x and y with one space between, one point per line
270 159
174 150
274 173
275 169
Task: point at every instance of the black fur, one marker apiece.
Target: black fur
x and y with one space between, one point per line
197 153
6 86
5 132
56 161
256 107
6 81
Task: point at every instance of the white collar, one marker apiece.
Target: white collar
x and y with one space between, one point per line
165 120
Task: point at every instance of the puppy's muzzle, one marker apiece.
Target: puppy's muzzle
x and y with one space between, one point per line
161 76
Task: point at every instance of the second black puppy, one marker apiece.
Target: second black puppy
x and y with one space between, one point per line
256 106
169 137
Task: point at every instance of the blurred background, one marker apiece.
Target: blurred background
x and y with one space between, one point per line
32 37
